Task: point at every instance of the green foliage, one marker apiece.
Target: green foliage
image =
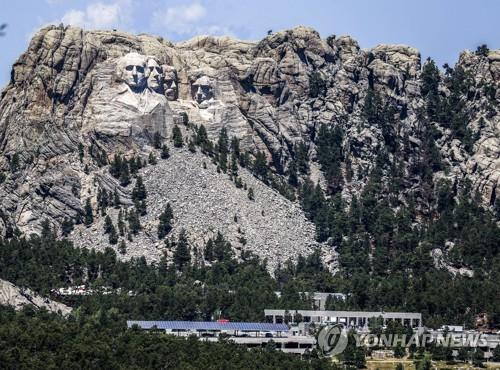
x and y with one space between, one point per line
330 156
353 355
201 139
165 224
260 167
152 159
177 137
182 253
108 225
496 354
81 152
112 236
223 149
100 340
317 85
165 153
122 248
191 146
67 227
302 157
372 108
157 140
139 191
482 50
134 224
14 163
88 217
116 198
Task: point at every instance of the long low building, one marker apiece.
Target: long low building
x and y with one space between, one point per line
201 328
251 334
353 319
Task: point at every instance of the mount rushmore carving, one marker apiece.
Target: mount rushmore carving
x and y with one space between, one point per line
136 101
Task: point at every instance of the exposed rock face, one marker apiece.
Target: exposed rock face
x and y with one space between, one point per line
73 94
11 295
206 202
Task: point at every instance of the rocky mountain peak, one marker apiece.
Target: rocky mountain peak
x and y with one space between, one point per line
78 98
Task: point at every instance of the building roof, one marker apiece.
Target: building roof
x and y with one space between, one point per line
207 325
386 315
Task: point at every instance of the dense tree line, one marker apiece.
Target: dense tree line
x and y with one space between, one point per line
41 340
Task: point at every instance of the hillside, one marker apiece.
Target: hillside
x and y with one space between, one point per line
377 126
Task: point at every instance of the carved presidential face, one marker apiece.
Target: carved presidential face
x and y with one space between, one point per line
132 70
170 82
202 89
154 75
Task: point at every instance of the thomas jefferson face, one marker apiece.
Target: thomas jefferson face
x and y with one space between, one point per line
133 70
154 75
170 82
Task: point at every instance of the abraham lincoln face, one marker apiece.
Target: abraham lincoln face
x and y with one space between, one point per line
202 89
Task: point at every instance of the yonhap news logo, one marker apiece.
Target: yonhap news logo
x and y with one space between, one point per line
332 339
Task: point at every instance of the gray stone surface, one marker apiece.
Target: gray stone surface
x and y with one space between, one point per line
11 295
65 92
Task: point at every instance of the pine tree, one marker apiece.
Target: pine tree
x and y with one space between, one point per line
47 232
202 140
108 225
483 50
292 173
102 200
191 146
223 146
251 195
124 174
116 198
182 255
134 224
235 147
177 137
234 165
88 217
139 192
14 163
81 152
141 207
121 224
113 237
152 159
116 166
260 167
302 157
165 153
122 247
157 139
165 225
209 250
66 226
221 248
430 88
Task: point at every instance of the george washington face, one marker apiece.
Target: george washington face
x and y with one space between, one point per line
132 70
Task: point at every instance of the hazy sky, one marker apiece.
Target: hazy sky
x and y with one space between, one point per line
438 28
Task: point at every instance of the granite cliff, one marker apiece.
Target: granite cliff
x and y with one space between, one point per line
76 98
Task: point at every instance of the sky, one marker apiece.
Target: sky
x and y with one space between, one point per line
440 29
